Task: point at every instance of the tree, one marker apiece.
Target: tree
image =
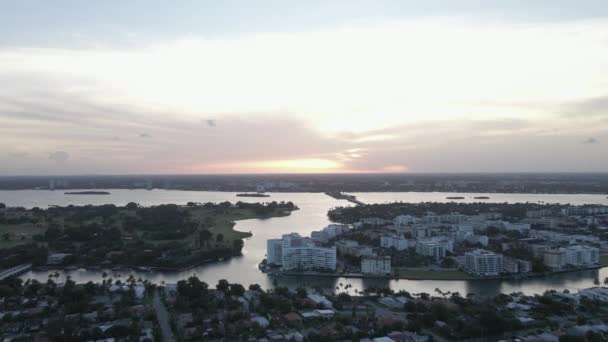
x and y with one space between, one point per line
301 292
6 236
237 289
222 285
255 287
132 206
219 237
448 263
204 237
2 206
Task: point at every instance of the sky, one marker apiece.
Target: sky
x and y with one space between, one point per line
241 86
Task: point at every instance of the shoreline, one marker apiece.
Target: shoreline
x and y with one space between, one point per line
321 192
442 278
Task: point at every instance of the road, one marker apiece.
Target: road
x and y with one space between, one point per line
163 318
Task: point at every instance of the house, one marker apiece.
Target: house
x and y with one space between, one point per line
320 300
325 313
261 321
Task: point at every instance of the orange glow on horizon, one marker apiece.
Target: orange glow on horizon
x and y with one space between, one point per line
304 165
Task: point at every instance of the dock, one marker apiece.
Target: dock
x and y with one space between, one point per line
15 271
342 196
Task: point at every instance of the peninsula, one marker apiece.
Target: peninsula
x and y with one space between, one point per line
163 237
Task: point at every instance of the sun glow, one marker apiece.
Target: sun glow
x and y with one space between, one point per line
304 165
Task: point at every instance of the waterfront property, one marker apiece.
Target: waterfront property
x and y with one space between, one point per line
483 263
376 265
299 253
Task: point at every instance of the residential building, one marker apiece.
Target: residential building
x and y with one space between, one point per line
403 220
319 300
57 258
595 293
330 232
478 239
484 263
274 252
555 258
436 248
297 252
398 242
352 248
514 266
582 255
309 257
376 265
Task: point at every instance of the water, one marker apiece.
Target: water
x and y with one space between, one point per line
311 216
416 197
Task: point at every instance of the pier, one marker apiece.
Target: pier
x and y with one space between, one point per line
342 196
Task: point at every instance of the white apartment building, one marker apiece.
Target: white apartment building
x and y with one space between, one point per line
309 257
403 220
582 255
478 239
330 232
587 210
297 252
512 265
436 248
453 218
352 248
376 265
484 263
561 237
274 252
430 218
398 242
555 258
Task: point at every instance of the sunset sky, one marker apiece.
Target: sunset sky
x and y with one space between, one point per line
119 87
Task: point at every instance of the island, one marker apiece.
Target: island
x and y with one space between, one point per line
163 237
252 195
86 193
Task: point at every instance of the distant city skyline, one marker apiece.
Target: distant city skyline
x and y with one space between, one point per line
136 87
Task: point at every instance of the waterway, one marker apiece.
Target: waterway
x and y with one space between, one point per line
311 216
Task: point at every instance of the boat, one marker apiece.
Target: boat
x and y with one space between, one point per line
86 193
481 197
455 197
252 195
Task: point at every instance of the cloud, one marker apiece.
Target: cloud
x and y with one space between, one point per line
591 107
19 154
590 140
60 157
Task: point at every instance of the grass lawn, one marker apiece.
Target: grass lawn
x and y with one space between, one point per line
604 260
432 275
222 224
18 234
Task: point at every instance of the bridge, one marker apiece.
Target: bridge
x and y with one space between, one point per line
15 271
343 196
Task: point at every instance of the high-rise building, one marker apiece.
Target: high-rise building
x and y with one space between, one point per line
380 265
274 252
293 251
436 248
484 263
